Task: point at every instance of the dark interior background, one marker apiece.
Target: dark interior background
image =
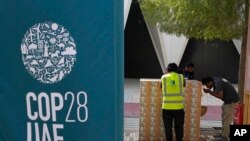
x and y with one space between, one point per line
215 58
140 57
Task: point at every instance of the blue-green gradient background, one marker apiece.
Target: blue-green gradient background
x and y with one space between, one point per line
97 28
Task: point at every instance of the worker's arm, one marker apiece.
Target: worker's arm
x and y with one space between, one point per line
215 94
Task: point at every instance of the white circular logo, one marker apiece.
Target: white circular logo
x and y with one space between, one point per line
48 52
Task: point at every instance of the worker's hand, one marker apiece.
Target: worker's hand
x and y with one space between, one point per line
207 90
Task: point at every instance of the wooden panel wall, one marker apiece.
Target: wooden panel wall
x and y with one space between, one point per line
246 112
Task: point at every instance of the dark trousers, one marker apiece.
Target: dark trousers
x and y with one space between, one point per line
177 116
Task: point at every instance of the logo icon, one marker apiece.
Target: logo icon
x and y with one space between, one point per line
48 52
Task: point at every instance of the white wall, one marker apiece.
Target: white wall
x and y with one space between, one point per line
174 47
127 4
169 48
237 44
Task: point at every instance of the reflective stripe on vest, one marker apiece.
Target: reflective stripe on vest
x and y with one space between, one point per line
172 84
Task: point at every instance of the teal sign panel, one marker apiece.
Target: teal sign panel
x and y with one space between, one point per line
61 76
